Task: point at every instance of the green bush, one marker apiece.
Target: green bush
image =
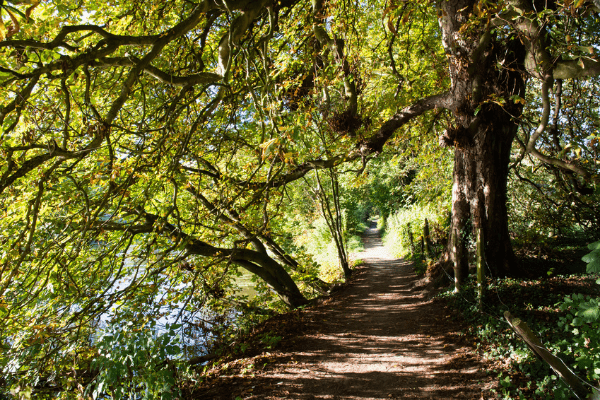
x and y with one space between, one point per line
411 220
582 325
381 223
136 363
355 244
355 214
582 322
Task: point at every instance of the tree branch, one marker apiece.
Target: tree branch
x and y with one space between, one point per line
573 69
201 78
545 114
366 147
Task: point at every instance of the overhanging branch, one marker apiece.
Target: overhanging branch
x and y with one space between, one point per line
364 148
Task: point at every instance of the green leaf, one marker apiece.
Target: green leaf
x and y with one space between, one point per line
593 267
589 311
517 99
594 246
590 257
593 259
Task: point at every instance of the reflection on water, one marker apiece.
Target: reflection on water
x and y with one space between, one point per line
198 328
244 281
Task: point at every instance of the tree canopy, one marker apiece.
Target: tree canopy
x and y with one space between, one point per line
152 149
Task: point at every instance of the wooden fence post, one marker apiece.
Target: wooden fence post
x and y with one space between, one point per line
428 245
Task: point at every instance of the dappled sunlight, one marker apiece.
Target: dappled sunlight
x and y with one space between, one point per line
380 339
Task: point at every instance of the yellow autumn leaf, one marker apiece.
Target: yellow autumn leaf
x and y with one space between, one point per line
267 143
2 29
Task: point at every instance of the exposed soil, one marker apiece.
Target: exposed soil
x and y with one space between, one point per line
380 337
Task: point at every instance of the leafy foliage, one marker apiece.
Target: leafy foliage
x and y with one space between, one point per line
152 149
407 224
567 326
593 258
136 363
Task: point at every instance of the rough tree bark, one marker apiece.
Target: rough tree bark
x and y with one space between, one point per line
485 126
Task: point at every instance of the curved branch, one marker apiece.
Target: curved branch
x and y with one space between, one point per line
257 262
58 40
538 62
230 218
175 32
584 173
375 143
576 69
545 114
8 179
236 31
372 145
564 165
201 78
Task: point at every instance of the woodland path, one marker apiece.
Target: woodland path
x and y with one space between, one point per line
379 338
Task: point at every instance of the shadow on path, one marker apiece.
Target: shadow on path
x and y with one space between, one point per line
378 339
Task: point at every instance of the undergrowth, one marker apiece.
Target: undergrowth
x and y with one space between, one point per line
404 234
562 310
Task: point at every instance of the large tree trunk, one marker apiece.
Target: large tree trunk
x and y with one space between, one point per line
485 113
479 194
273 274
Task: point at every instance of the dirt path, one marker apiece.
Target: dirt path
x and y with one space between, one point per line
380 338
